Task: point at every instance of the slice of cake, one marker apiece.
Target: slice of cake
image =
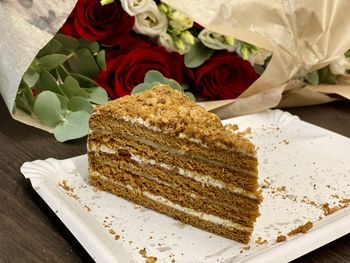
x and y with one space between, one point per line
162 151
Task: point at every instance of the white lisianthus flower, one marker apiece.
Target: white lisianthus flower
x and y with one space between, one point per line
179 21
172 45
340 65
151 22
134 7
217 41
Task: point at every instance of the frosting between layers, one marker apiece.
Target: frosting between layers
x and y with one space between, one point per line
156 198
204 179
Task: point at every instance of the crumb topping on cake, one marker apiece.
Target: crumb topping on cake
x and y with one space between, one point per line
172 111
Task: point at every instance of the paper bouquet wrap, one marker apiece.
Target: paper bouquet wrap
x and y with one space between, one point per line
303 36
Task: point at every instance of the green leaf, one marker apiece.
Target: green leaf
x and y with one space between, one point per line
52 47
47 82
326 76
172 83
62 73
73 127
47 108
141 87
25 99
30 77
259 69
64 104
101 59
97 95
67 42
312 78
154 76
197 55
79 104
83 80
84 63
93 46
52 61
191 96
71 88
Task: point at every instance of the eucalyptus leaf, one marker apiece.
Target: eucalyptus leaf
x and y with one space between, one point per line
312 78
73 127
51 61
84 63
97 95
64 104
197 55
47 108
154 76
79 104
30 77
259 69
71 88
67 42
141 87
62 73
47 82
22 103
83 80
172 83
191 96
93 46
52 47
101 59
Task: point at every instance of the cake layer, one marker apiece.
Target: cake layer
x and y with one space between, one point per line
236 176
204 221
146 180
190 148
162 171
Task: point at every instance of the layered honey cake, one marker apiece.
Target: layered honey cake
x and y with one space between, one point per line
160 150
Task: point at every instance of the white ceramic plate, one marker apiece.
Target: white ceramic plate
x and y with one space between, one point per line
301 167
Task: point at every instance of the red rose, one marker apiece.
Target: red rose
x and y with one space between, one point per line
91 20
224 76
127 68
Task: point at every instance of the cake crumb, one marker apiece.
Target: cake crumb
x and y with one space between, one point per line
246 248
327 210
281 238
260 241
116 237
143 252
65 186
112 231
301 229
151 259
87 208
281 188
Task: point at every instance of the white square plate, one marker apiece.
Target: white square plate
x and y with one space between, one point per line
301 168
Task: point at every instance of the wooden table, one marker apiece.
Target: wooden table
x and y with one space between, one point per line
31 232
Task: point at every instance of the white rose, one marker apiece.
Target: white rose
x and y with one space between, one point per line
151 22
134 7
340 65
168 43
217 41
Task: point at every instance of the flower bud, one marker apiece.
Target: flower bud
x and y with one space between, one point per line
187 37
180 21
179 44
163 8
106 2
229 40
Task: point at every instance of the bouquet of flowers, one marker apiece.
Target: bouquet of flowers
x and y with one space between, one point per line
292 55
124 47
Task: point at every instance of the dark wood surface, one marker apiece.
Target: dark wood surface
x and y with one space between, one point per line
31 232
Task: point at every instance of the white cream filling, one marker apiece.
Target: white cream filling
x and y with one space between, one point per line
204 179
159 199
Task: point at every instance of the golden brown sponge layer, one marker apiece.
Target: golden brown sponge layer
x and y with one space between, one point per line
241 235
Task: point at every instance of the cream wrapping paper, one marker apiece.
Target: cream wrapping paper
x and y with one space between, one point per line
303 36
